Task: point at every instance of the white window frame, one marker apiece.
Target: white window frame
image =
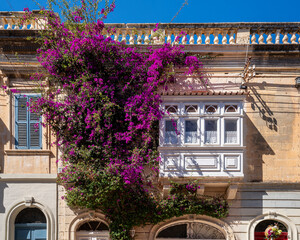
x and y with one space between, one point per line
238 129
181 116
218 130
191 118
178 129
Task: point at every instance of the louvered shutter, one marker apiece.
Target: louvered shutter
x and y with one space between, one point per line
28 127
21 122
34 128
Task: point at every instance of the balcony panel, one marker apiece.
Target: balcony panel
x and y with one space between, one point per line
219 163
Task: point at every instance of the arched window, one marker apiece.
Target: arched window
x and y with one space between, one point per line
194 230
30 224
92 230
262 226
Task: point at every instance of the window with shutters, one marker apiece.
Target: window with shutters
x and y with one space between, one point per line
28 130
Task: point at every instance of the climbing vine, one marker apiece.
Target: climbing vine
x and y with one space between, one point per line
102 102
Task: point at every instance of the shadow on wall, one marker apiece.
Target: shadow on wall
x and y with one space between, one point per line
4 135
257 103
3 185
257 146
4 132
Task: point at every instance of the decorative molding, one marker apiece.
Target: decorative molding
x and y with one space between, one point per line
200 190
231 192
166 190
28 201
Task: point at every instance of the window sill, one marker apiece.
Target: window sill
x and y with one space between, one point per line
215 147
35 152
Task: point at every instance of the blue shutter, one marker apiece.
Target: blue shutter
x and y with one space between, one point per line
21 122
35 130
28 126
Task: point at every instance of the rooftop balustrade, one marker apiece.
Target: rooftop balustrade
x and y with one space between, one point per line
180 33
14 21
208 33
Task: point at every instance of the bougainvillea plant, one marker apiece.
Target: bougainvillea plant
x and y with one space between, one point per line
101 101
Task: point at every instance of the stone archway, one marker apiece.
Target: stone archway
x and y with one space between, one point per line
191 230
192 227
276 217
89 224
28 203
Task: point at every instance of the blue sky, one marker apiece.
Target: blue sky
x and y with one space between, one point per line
153 11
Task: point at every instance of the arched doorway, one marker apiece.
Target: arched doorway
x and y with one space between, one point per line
190 230
260 228
30 224
92 230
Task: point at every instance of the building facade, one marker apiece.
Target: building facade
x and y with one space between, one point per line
239 135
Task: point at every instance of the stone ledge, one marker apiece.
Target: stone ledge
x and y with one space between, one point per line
26 152
21 177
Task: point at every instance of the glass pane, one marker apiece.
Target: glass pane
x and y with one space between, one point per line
230 131
93 226
172 108
40 234
23 234
31 215
170 132
211 108
190 131
211 131
171 125
230 108
261 227
191 108
178 231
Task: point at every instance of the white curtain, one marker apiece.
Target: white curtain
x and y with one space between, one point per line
171 137
211 136
230 137
190 137
230 131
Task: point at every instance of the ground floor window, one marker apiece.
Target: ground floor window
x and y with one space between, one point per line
92 230
261 227
194 230
30 224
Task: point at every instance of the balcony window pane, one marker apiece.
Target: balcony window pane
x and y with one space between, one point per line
171 108
191 108
171 135
190 131
230 131
231 108
210 109
211 131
